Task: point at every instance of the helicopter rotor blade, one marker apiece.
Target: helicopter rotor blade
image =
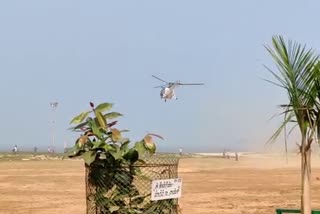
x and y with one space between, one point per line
159 79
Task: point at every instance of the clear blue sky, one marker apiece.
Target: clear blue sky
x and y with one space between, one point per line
75 52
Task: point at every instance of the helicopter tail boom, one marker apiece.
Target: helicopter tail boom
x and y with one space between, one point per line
190 84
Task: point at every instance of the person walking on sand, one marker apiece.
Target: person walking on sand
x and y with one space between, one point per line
15 149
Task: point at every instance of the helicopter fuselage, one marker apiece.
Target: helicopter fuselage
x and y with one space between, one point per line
168 93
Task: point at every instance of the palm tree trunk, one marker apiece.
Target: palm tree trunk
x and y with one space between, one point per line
305 177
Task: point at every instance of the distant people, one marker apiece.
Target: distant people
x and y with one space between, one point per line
180 151
35 149
50 150
237 156
15 149
228 155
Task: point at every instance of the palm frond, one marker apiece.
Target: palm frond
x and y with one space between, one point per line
288 117
297 67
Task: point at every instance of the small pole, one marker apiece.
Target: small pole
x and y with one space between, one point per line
53 106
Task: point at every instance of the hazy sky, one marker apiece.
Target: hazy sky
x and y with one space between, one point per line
74 52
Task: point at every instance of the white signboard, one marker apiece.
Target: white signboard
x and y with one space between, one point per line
166 189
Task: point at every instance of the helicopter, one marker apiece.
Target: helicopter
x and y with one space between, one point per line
167 92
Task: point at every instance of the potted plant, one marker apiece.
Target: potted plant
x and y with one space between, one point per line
113 164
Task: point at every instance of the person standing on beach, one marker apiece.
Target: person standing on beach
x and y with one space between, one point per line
15 148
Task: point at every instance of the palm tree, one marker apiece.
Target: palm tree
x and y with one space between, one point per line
298 74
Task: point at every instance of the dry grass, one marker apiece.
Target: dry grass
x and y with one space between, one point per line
255 184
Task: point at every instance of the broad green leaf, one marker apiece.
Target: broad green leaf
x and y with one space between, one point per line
124 145
99 144
117 195
152 148
132 155
124 140
95 129
136 211
109 148
112 115
124 178
101 120
140 147
149 144
113 208
81 125
104 107
79 118
138 200
115 135
102 156
116 153
72 152
141 161
136 171
89 157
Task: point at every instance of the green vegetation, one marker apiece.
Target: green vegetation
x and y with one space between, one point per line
112 164
299 75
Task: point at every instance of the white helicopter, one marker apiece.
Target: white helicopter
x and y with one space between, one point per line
167 92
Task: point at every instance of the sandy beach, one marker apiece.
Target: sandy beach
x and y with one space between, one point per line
255 184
